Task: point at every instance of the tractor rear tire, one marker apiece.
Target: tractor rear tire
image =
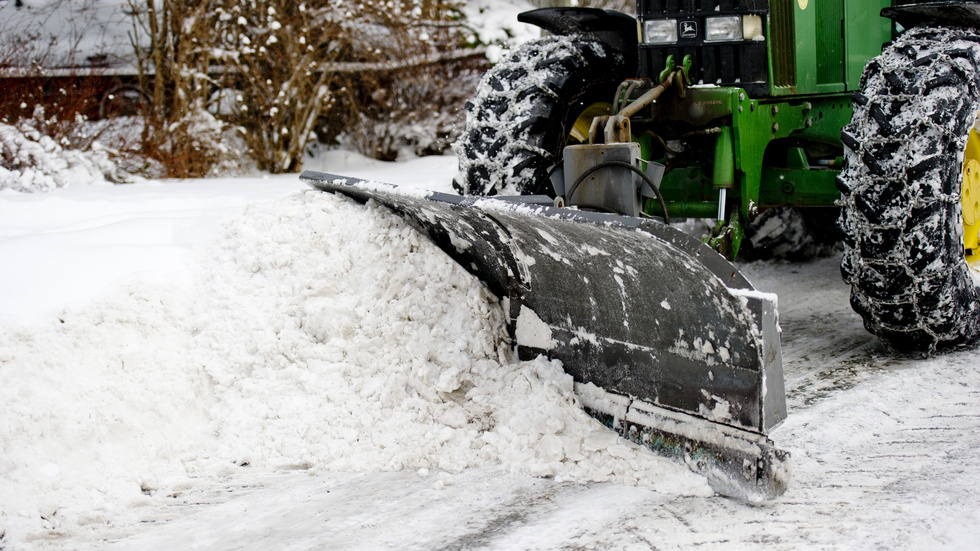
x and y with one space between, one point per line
519 121
901 214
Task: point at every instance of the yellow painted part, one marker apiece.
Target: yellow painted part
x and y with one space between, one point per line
580 129
970 197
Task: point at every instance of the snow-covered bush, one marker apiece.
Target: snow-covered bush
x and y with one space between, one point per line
386 78
31 161
273 50
40 153
326 67
197 144
175 62
292 71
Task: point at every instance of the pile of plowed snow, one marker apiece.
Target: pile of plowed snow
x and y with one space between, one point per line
317 334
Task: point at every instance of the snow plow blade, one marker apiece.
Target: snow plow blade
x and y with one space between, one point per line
668 343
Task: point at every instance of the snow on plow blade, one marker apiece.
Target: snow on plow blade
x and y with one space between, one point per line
668 343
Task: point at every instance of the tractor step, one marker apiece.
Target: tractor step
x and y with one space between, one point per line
632 306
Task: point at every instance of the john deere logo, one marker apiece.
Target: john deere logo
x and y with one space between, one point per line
689 29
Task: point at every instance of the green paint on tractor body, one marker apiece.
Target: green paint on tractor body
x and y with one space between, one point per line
774 141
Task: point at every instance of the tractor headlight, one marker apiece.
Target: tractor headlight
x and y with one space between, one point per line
752 27
723 29
660 31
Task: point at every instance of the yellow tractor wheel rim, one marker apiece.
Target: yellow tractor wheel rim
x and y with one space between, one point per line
579 133
970 198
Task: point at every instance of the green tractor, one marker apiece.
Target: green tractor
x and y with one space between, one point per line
772 119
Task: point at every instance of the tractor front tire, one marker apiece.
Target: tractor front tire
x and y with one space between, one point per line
525 107
901 184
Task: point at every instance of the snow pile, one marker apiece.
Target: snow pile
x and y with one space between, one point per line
31 161
320 335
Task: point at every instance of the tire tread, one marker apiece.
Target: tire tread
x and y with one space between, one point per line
901 215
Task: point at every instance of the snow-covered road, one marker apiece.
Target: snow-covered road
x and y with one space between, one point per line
124 439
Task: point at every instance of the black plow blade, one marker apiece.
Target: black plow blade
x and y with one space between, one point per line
669 344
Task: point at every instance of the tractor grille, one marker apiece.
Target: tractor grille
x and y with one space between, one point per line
830 42
783 43
743 64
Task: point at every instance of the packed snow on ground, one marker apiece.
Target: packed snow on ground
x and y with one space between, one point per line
248 364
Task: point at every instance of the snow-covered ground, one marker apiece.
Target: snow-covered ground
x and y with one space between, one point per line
247 364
